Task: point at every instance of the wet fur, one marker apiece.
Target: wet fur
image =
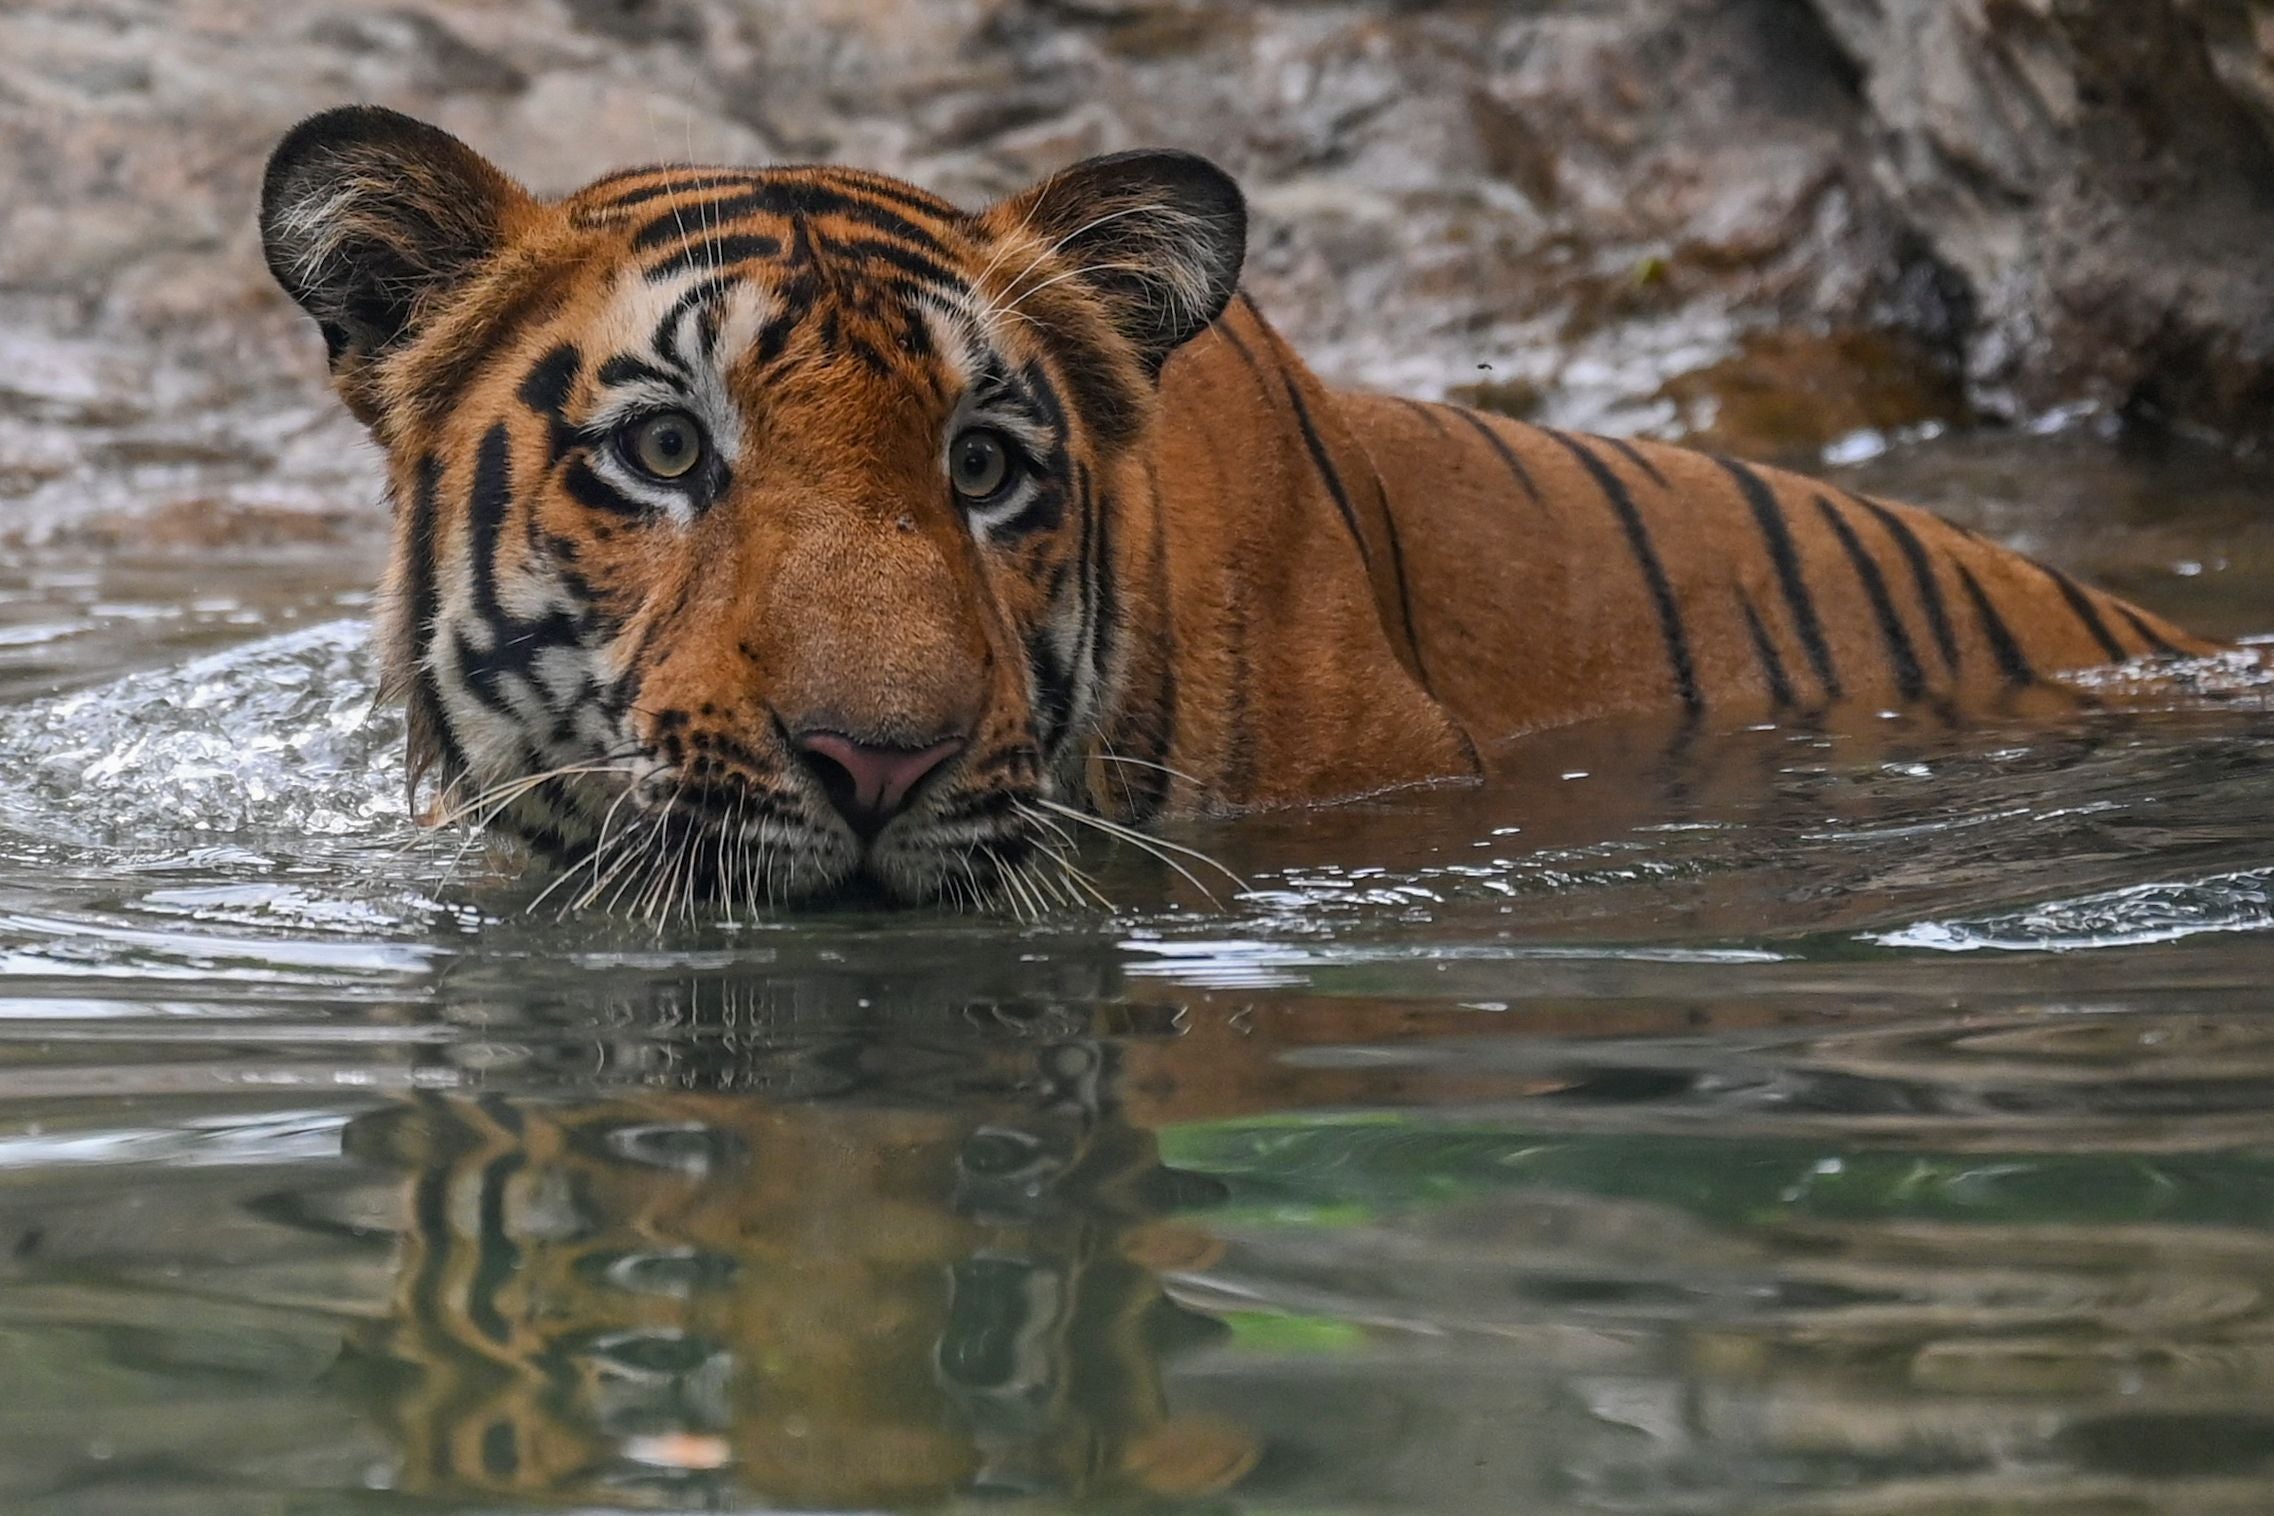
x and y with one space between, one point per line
1232 586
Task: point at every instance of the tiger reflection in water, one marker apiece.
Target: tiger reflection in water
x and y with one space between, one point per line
652 1298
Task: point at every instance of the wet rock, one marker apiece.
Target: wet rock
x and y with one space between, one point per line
2102 178
2061 200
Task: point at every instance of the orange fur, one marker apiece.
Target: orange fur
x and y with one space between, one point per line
1218 584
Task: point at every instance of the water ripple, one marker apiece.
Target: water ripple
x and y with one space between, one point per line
2165 911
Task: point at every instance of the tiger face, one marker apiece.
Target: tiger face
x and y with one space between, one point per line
753 527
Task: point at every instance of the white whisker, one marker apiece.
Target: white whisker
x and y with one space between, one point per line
1159 847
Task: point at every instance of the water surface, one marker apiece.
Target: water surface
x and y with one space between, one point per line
1858 1121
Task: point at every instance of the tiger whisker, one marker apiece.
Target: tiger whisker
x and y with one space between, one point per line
1146 763
693 852
656 832
1061 278
631 848
1030 909
1037 883
1078 878
1062 856
1004 245
1159 847
505 793
656 903
730 851
1011 289
978 896
1077 897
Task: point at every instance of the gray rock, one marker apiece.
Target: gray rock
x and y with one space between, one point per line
1573 205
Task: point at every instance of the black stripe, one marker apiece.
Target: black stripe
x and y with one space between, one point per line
1900 652
787 198
425 595
664 339
893 192
1922 575
1772 664
1653 572
774 337
1046 506
687 186
1086 516
1633 455
514 643
2082 604
1325 466
707 326
1105 614
868 355
1044 510
1053 689
2147 633
2011 661
1499 445
486 507
1427 415
444 381
1239 345
1405 590
929 272
594 493
426 608
1768 515
546 388
626 369
715 253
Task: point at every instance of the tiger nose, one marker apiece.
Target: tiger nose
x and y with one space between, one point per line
867 783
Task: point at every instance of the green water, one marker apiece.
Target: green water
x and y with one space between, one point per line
1866 1122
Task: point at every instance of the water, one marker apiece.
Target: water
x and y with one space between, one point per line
1871 1121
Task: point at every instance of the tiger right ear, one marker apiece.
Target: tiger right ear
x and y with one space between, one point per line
366 214
1158 235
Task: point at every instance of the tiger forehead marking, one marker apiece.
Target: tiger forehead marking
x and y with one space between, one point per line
770 534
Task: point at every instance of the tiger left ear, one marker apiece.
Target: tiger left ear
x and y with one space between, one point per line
1158 235
366 215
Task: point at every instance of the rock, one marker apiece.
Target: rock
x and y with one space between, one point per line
1581 200
2102 179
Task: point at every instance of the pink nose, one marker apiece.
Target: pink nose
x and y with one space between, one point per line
870 785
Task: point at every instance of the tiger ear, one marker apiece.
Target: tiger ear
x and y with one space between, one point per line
367 213
1159 235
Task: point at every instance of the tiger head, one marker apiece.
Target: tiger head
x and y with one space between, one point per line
760 519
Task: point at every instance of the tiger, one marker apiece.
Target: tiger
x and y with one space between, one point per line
786 534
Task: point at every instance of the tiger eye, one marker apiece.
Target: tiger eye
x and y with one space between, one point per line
980 463
665 446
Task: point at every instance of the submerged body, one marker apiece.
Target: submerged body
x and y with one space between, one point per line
770 532
1508 578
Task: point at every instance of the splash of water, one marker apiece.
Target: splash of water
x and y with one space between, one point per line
280 735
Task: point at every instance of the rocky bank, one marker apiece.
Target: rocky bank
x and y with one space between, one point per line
1768 222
